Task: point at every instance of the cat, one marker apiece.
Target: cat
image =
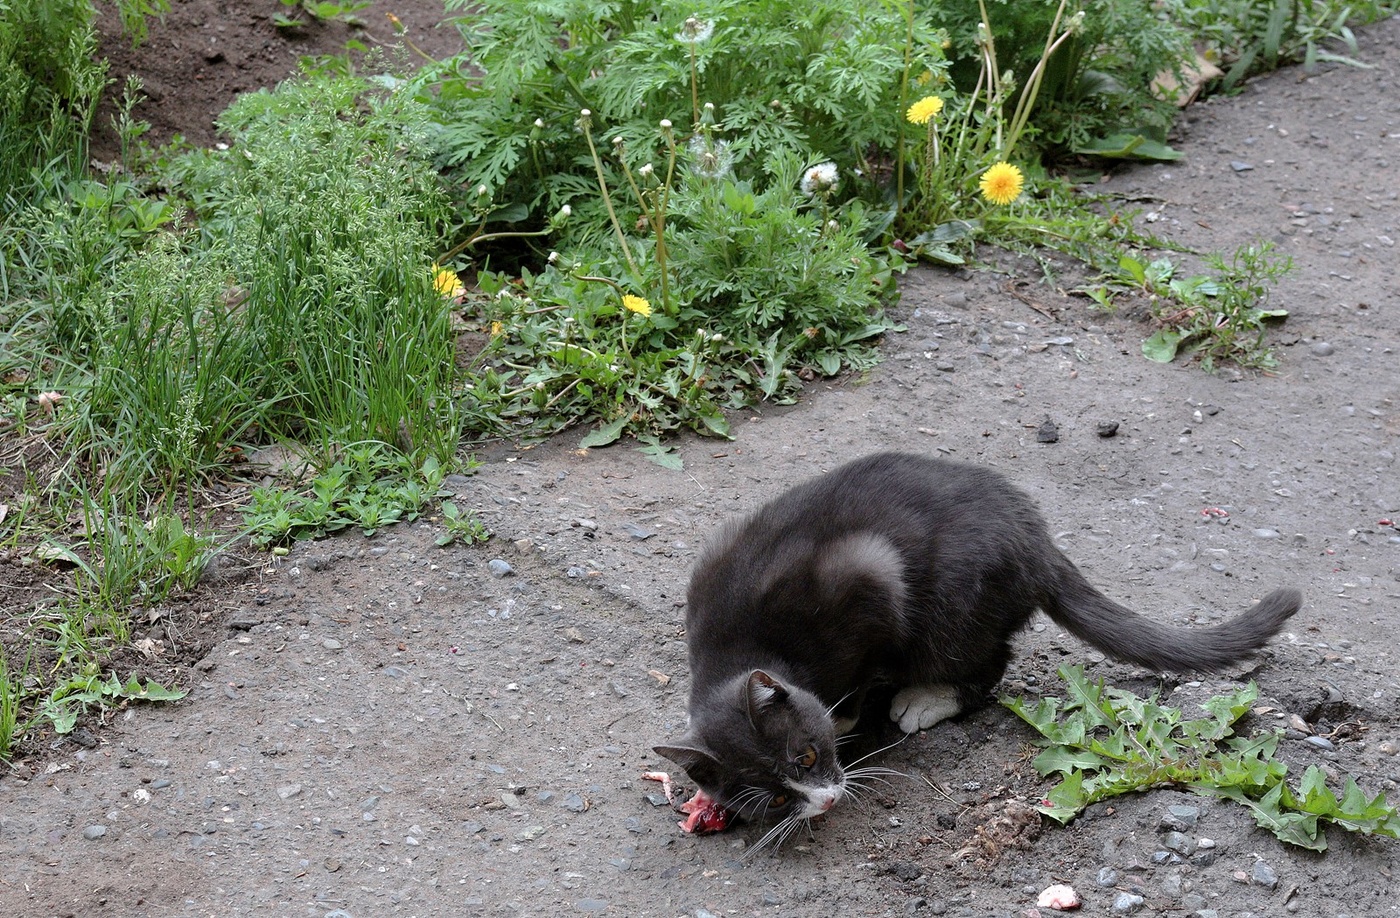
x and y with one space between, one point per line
894 569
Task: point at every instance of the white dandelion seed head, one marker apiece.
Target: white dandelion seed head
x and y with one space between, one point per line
665 124
646 171
821 179
711 159
539 122
481 191
553 258
709 106
695 31
565 212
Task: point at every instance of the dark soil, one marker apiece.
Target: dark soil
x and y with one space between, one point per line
381 726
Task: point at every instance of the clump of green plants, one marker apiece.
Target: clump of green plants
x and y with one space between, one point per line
1215 318
678 146
1103 742
319 10
369 487
1249 37
1096 93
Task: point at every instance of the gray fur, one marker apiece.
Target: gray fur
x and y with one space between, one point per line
893 569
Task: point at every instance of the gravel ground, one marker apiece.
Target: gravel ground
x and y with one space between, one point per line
386 727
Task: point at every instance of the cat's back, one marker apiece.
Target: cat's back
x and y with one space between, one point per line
920 503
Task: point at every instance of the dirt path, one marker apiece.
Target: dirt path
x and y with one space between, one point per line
390 729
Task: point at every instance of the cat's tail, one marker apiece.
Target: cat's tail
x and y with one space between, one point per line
1123 634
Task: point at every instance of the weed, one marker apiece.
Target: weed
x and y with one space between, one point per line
1255 36
460 526
11 692
1217 318
72 698
319 10
1103 742
370 486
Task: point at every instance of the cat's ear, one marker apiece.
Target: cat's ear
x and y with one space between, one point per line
864 565
762 692
702 767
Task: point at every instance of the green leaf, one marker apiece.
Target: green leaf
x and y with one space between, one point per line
1162 346
606 434
663 455
717 424
1128 146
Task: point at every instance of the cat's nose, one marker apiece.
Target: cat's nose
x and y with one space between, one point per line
828 803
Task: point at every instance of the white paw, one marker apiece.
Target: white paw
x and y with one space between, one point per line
919 707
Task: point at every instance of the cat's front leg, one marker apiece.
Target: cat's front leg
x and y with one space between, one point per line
918 707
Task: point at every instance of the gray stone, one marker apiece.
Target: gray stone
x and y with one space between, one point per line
1320 742
1264 875
1180 818
1126 903
92 833
499 568
1181 844
288 791
1322 349
1107 877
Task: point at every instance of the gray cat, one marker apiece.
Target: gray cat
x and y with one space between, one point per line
893 569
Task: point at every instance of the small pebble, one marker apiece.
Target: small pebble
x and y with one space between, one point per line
1127 903
1047 432
1322 349
1239 166
1320 742
1264 875
92 833
499 568
288 791
1107 429
1107 877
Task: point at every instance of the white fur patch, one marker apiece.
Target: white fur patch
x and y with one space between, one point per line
918 707
868 555
818 800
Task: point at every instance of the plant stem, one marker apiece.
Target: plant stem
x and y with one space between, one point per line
607 199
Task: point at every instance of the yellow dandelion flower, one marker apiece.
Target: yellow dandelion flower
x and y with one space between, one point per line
446 282
924 109
636 304
496 329
1002 183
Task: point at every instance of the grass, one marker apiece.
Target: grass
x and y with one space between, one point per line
665 213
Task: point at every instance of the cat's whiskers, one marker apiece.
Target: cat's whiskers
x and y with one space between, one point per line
750 796
776 835
877 752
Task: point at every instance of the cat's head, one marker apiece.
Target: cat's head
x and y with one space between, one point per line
762 749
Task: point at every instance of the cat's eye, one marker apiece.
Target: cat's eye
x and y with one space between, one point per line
778 800
808 758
